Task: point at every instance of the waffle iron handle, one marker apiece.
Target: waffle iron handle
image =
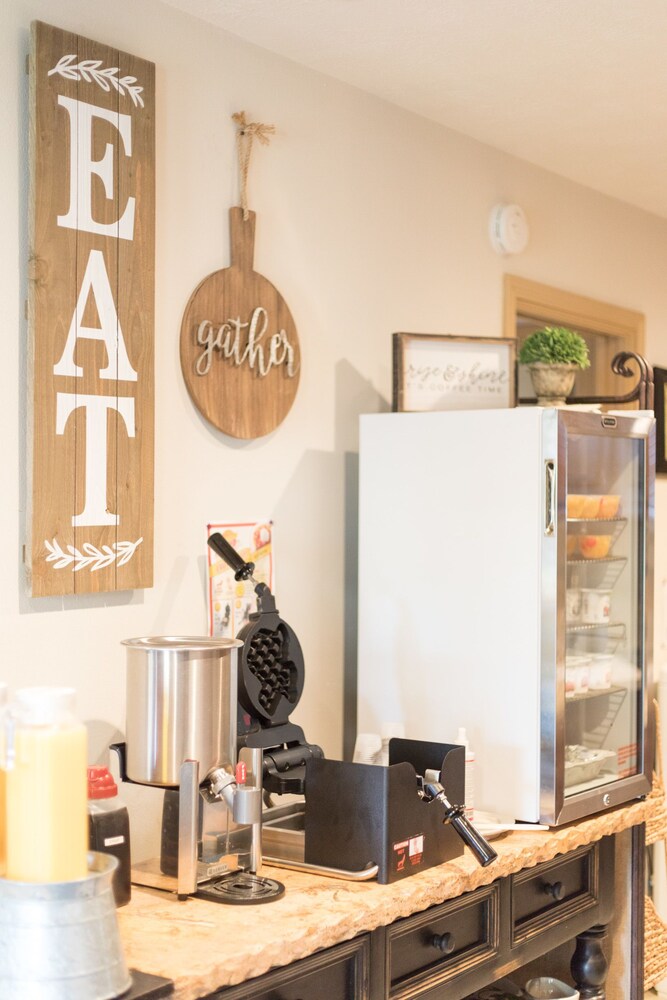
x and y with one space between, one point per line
266 603
242 570
479 846
433 791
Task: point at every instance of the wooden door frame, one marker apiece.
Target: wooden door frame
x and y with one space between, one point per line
544 302
554 305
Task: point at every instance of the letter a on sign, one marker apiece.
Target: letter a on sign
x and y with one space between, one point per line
92 164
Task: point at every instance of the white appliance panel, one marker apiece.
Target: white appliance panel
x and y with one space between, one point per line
451 530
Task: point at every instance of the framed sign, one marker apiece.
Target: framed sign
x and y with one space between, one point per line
660 390
91 308
442 372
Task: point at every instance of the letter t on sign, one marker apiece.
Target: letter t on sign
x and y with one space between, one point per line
91 316
96 407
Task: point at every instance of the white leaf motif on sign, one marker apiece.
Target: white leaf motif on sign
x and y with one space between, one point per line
90 557
90 71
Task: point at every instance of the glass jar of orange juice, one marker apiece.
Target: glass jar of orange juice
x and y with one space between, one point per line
46 774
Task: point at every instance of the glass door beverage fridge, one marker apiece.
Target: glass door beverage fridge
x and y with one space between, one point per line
505 585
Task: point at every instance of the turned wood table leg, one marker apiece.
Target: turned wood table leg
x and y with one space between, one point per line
589 964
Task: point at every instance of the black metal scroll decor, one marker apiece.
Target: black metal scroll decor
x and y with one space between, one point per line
643 391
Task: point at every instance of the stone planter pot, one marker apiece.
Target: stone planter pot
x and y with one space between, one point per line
552 383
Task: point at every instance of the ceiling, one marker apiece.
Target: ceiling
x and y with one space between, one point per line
576 86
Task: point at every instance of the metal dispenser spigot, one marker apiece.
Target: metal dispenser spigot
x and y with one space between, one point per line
243 801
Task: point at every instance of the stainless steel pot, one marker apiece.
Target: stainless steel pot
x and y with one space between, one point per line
181 704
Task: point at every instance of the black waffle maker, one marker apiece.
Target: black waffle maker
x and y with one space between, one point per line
270 684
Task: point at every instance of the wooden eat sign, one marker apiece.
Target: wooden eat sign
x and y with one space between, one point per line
239 347
91 307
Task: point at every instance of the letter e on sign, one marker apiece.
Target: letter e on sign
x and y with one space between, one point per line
90 462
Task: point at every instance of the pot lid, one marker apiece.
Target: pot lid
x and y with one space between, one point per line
192 643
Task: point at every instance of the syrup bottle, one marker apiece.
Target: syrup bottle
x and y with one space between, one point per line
109 828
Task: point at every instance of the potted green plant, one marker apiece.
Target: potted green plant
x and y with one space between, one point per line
553 355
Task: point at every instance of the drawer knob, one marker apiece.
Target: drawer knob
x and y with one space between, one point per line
444 943
554 889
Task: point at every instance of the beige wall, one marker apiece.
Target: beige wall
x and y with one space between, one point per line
370 220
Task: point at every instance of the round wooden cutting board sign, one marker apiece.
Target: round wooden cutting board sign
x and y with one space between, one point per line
239 347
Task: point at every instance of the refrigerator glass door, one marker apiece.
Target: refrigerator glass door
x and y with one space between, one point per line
604 611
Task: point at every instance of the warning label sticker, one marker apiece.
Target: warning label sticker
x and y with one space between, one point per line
409 852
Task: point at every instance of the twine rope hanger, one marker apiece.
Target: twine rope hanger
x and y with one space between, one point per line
245 133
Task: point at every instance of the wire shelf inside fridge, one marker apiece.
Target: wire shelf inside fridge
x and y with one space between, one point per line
592 730
595 639
606 525
597 693
599 574
614 628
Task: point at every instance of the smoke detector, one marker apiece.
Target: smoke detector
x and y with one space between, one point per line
508 229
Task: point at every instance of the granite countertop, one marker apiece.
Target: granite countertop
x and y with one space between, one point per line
203 946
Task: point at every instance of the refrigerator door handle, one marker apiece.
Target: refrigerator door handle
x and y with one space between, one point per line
550 497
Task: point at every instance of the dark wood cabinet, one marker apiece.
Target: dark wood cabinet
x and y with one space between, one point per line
443 943
453 949
338 973
554 892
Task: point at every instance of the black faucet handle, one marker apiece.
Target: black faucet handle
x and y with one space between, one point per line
242 570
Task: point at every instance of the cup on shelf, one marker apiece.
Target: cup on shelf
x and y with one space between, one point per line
610 505
577 675
595 606
388 731
576 503
594 546
600 671
367 748
583 505
572 605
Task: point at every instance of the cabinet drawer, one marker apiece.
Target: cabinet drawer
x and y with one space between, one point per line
443 943
554 891
339 973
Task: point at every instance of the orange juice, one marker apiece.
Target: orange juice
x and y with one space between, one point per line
46 788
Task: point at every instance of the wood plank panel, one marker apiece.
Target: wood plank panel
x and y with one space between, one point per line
52 299
97 266
91 316
136 297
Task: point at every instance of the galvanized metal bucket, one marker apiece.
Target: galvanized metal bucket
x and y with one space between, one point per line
60 939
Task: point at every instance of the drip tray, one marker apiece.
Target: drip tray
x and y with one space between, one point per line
284 839
283 832
241 888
